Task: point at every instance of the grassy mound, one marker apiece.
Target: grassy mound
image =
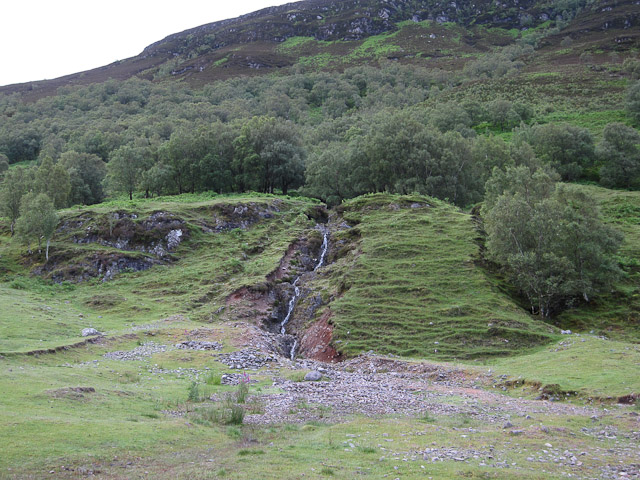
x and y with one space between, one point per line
414 289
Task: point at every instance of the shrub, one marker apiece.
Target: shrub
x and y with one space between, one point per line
193 392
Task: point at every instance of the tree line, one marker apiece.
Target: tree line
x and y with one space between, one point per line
332 137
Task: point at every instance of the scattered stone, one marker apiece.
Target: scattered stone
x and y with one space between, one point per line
145 350
247 358
236 379
198 345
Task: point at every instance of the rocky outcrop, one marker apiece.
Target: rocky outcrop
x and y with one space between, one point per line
346 20
141 241
267 302
226 217
103 265
158 234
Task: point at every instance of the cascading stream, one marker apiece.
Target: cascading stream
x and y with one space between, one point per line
296 295
292 305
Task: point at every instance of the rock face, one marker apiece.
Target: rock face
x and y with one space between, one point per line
239 216
268 301
344 20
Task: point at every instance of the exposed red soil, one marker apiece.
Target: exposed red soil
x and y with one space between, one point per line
248 303
315 343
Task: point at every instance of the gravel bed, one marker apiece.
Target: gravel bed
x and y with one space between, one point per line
249 358
145 350
199 345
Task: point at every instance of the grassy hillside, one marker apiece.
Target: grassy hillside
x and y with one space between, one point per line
406 268
401 276
194 281
429 365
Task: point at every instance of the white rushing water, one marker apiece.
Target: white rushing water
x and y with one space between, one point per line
323 250
292 304
296 295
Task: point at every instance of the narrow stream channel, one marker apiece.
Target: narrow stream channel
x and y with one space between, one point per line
296 295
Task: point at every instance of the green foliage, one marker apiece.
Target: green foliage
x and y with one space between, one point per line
293 43
549 239
268 155
21 143
15 185
38 219
53 180
399 154
124 170
502 113
632 67
504 62
4 164
567 148
633 101
619 153
193 392
230 411
213 379
242 392
86 174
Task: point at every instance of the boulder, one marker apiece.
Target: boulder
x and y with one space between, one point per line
313 376
89 332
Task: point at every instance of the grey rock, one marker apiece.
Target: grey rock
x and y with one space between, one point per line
313 376
89 332
174 237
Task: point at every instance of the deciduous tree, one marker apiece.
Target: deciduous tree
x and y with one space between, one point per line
15 185
38 219
53 180
86 174
548 239
619 152
124 170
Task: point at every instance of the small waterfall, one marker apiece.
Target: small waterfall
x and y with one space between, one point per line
292 305
296 295
323 250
